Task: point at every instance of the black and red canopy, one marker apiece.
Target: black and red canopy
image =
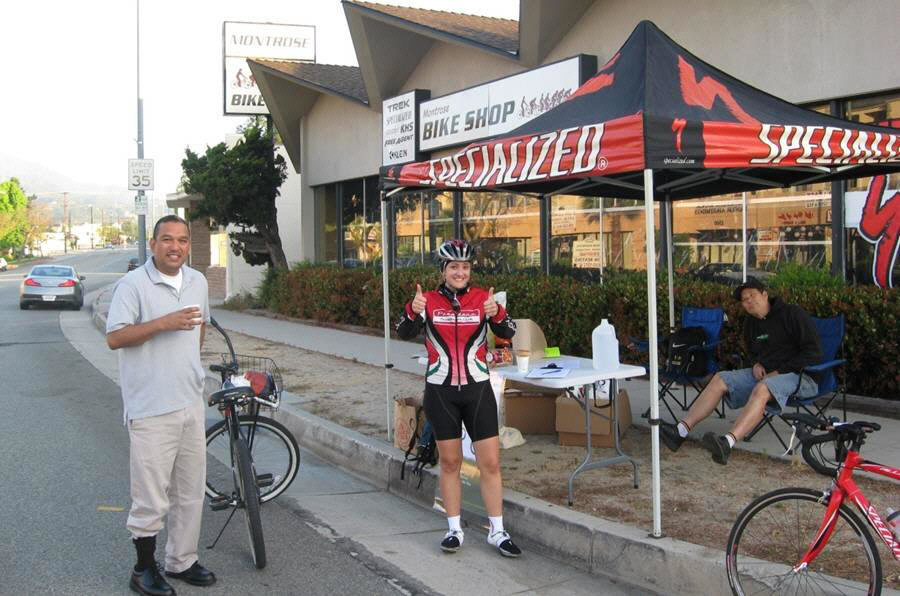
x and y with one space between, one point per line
656 106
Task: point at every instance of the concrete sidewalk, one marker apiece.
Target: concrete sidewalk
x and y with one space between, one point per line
600 546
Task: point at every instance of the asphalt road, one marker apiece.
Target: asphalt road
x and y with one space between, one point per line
64 485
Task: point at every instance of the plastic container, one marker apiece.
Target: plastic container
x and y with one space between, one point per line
893 522
605 346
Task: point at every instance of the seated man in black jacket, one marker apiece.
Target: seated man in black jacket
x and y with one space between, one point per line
781 339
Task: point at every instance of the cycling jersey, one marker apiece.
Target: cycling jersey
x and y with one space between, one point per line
455 334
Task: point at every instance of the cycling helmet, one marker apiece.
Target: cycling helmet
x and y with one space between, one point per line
455 250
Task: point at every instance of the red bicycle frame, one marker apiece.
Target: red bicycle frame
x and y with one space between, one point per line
846 488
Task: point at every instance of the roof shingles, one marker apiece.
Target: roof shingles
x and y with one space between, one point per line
502 34
344 80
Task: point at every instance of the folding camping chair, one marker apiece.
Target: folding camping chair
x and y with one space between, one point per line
677 373
831 334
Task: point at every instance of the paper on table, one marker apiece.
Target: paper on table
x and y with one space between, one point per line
547 373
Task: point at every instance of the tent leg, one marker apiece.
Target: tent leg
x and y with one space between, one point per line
670 242
654 364
385 202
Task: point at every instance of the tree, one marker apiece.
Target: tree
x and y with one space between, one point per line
109 234
38 223
129 230
239 187
13 214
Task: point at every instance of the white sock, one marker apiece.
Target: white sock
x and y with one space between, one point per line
453 522
496 524
682 430
730 439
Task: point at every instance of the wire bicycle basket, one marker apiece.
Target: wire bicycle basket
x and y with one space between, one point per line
260 373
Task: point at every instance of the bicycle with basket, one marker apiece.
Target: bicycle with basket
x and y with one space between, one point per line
262 455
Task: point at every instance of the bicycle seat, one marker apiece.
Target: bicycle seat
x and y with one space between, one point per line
230 394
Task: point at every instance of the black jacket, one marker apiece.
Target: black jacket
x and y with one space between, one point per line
786 340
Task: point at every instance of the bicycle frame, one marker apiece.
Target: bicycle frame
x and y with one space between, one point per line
843 488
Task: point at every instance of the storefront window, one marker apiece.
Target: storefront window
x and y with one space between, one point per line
581 226
504 227
707 237
326 224
881 110
422 222
361 219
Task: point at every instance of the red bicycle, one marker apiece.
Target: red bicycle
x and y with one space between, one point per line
803 541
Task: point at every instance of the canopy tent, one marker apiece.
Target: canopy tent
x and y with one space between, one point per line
658 122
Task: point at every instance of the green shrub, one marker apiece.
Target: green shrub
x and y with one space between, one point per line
791 275
568 309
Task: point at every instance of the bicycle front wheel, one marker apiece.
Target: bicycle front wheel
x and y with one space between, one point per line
246 478
272 447
773 533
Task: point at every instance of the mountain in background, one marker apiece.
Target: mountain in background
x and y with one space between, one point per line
109 202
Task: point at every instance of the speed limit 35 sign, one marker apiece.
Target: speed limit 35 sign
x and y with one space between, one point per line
140 174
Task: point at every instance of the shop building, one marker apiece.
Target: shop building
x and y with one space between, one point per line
827 55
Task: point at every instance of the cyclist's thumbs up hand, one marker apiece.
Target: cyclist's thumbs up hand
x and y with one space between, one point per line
490 305
418 302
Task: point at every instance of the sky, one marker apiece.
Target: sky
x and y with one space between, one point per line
69 100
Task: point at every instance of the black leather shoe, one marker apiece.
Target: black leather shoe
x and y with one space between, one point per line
717 446
669 435
196 575
150 581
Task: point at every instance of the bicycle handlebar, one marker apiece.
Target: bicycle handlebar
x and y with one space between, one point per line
841 433
218 327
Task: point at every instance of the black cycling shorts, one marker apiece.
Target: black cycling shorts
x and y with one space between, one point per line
448 407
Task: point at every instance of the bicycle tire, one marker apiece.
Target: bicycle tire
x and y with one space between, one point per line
760 555
250 499
273 448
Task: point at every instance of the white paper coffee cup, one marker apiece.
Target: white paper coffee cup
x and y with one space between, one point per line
522 362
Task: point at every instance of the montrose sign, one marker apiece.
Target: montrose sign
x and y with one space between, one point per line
259 40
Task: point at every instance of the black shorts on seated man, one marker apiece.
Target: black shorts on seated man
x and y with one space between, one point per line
781 340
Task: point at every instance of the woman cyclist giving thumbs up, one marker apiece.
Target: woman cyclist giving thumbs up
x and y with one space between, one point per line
457 387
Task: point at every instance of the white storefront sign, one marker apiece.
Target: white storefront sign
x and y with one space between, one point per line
586 253
398 128
500 106
259 40
140 174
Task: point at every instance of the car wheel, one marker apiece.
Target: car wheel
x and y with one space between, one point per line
23 305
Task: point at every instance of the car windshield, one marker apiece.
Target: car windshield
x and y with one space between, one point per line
52 272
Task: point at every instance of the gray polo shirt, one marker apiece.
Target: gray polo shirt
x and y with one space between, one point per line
163 374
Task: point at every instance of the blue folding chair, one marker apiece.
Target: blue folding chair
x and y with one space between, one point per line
831 335
711 321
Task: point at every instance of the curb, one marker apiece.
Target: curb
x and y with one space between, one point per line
617 551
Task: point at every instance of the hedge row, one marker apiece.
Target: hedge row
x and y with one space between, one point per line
567 310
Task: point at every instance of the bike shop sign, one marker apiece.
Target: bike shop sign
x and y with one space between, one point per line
266 41
500 106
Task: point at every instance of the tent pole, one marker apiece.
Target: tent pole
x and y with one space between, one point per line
385 201
602 243
744 234
670 242
651 334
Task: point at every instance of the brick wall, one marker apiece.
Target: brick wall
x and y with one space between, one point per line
200 245
215 277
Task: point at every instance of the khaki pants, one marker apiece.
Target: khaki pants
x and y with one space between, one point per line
168 475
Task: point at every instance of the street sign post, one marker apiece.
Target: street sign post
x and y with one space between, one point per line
140 174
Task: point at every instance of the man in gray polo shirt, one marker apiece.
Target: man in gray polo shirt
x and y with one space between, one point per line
157 321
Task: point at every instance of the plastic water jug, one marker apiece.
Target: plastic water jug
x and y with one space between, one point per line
605 346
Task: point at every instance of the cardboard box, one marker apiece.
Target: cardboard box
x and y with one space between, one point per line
570 421
531 413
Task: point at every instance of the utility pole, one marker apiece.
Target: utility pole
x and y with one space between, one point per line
63 226
92 226
142 220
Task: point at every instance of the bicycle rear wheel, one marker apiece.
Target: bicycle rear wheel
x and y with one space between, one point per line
272 447
250 498
773 533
